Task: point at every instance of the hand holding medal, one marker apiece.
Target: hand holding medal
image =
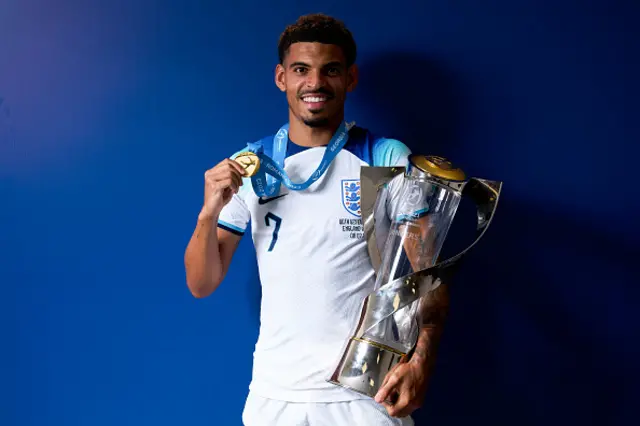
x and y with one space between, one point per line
220 183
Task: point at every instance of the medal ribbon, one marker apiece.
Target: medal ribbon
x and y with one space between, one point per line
266 181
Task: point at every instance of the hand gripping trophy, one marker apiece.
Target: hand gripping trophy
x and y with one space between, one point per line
405 257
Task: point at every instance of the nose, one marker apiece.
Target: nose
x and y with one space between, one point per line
315 79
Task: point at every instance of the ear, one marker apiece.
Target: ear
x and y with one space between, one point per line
352 77
280 78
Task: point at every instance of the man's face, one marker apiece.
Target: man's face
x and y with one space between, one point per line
316 80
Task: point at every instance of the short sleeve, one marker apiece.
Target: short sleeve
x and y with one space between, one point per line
235 216
391 153
388 153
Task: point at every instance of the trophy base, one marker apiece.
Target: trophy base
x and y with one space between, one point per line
364 365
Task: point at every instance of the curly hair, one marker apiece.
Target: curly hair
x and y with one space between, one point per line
320 28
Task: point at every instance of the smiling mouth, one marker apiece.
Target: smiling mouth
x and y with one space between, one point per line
315 101
312 99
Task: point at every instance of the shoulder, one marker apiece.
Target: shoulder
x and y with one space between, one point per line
388 152
376 150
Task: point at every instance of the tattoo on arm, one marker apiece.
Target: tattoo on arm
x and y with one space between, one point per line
419 246
433 309
422 349
434 306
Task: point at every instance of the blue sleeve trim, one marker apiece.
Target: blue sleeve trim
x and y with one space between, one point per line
390 153
231 228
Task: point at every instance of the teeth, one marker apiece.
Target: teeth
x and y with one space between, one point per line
314 99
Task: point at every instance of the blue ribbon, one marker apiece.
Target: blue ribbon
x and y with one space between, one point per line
266 182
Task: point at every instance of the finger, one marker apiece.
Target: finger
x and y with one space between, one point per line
228 172
235 185
224 167
236 170
237 179
400 408
386 388
237 167
227 193
228 183
392 371
388 375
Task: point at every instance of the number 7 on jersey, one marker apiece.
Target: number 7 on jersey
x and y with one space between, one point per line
277 221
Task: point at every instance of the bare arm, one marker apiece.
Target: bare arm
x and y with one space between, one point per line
210 249
208 256
409 379
434 306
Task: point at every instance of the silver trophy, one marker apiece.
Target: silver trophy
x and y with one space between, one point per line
421 202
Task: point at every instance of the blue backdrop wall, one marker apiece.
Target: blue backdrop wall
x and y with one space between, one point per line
110 112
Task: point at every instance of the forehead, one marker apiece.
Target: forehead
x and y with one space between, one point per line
314 54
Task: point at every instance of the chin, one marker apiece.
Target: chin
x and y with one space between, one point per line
316 121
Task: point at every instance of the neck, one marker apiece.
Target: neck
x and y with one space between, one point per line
303 135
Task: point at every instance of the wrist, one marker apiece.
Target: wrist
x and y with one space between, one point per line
206 215
420 361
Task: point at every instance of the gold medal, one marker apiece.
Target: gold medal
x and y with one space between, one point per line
249 161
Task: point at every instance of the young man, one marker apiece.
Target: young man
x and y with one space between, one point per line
313 261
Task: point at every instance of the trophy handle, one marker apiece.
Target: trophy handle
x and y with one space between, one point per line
403 291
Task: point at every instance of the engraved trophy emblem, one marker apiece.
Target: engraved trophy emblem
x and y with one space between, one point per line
406 259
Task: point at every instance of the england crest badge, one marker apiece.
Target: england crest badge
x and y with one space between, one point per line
351 196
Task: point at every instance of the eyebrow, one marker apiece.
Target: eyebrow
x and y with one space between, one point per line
329 64
298 64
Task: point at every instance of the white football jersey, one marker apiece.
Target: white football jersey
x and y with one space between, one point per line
313 264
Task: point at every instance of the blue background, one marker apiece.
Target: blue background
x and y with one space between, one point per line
112 110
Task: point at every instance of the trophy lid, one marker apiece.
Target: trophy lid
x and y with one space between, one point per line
436 166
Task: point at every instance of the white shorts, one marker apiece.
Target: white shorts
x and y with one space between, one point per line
260 411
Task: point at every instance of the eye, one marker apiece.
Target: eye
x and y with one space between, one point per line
333 71
299 70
